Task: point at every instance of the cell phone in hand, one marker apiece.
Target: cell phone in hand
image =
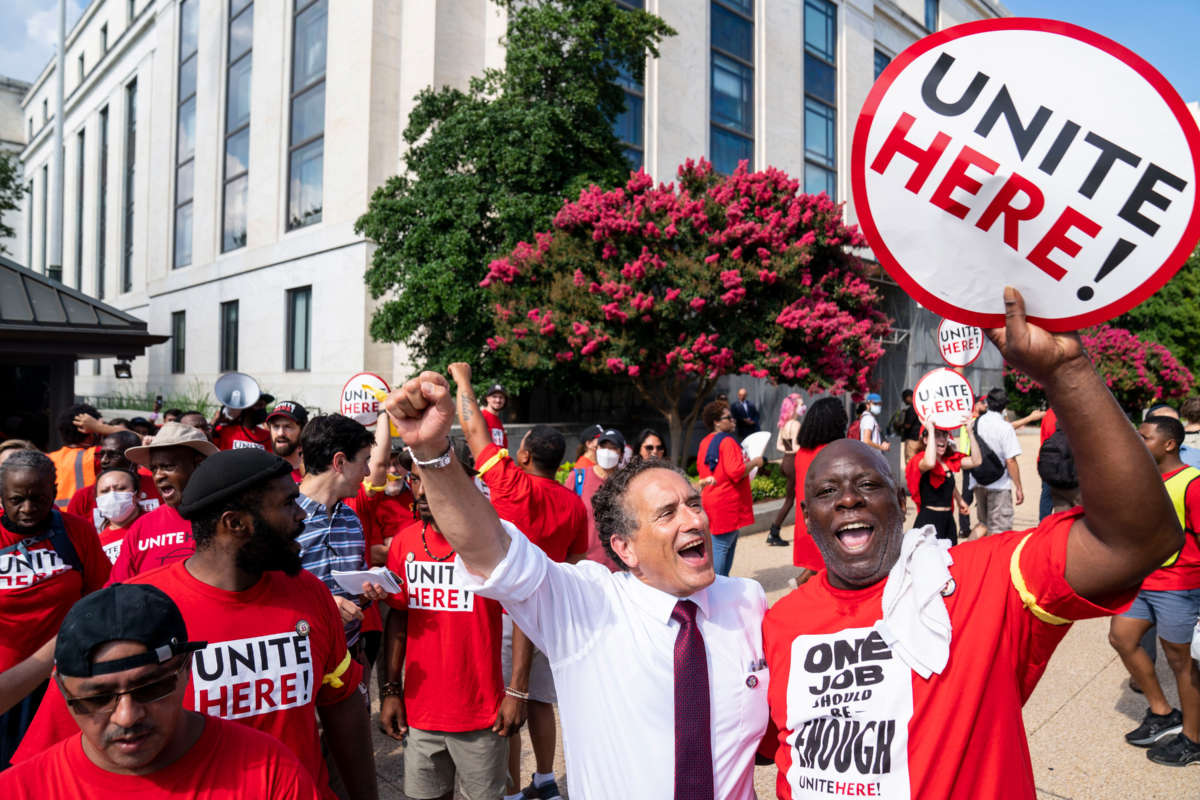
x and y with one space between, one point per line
158 401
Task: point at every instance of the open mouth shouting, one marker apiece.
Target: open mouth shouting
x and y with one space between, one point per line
695 552
854 537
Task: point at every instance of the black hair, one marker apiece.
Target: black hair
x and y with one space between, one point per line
612 516
66 423
130 472
327 435
173 412
825 422
997 399
124 439
1168 426
641 440
204 521
906 395
546 446
859 408
197 413
1190 410
712 412
34 460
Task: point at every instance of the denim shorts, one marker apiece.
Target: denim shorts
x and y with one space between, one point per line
1173 612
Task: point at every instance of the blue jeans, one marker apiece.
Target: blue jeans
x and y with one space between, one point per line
1045 502
724 545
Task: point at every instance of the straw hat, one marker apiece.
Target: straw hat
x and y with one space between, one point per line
172 434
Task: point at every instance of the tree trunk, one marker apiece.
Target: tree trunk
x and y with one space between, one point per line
675 426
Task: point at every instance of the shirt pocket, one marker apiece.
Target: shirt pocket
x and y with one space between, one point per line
753 694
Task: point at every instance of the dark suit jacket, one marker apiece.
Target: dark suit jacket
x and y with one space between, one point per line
746 418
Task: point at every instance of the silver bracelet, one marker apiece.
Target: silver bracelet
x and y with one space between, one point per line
441 462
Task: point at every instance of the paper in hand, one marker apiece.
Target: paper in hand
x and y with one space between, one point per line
353 581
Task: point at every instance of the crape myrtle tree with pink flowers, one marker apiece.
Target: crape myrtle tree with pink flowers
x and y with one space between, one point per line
1138 372
672 286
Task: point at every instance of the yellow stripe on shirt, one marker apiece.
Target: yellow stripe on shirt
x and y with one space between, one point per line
1018 582
334 678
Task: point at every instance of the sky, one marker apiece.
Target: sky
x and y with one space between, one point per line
1164 32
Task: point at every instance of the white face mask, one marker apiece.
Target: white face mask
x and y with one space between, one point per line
115 506
876 409
607 459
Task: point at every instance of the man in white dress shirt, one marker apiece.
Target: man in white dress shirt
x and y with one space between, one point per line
659 668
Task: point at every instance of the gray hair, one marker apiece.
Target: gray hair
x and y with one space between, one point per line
28 460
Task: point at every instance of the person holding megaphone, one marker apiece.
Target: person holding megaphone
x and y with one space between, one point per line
240 420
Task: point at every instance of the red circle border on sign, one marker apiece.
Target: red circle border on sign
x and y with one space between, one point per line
1131 59
939 344
358 375
934 371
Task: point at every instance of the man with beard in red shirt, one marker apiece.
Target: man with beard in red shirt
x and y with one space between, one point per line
285 422
123 660
900 669
276 651
163 536
447 642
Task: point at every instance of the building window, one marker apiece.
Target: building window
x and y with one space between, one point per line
95 366
732 129
104 38
178 341
79 213
630 124
237 125
185 134
306 144
31 129
299 319
102 205
29 227
882 59
229 336
132 10
82 72
45 110
931 15
130 162
45 194
820 98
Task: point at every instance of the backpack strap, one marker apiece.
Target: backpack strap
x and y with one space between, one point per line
62 543
579 481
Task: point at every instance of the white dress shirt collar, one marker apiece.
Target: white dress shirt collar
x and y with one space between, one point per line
659 604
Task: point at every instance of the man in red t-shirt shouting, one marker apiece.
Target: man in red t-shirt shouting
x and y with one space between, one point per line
163 536
1170 601
900 670
123 659
446 642
524 492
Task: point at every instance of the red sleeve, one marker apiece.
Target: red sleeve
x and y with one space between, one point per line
363 508
732 460
503 477
78 504
1191 502
395 562
1049 423
912 478
125 566
96 566
579 519
338 666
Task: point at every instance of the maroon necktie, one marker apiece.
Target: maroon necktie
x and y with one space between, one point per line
693 737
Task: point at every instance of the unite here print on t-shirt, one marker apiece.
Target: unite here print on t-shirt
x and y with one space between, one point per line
246 677
431 587
21 570
849 702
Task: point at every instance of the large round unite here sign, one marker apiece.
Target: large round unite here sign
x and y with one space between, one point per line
1030 153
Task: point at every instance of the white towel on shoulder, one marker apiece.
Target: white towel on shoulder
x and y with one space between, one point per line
915 622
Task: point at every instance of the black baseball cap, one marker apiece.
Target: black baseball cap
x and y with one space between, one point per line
133 612
590 433
292 410
230 473
614 436
496 389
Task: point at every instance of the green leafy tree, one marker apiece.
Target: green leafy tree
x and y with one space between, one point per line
11 192
672 287
1171 316
489 166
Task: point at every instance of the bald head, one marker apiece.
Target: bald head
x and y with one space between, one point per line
846 448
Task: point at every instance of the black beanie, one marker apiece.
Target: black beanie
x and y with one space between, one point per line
227 474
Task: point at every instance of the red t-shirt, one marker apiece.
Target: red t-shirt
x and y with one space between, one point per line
583 462
83 502
452 661
804 550
495 428
590 485
234 435
1049 425
548 513
1184 573
154 540
37 591
727 501
274 652
227 762
855 721
392 514
111 539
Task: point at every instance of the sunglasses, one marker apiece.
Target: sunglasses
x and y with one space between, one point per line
106 702
726 417
650 448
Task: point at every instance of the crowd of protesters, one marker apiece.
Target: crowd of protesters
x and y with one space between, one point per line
209 597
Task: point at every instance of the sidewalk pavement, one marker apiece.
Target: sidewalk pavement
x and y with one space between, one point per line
1076 718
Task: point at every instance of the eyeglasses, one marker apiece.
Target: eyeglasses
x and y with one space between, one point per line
145 694
651 448
724 418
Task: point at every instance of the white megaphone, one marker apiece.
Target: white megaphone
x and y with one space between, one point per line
236 390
